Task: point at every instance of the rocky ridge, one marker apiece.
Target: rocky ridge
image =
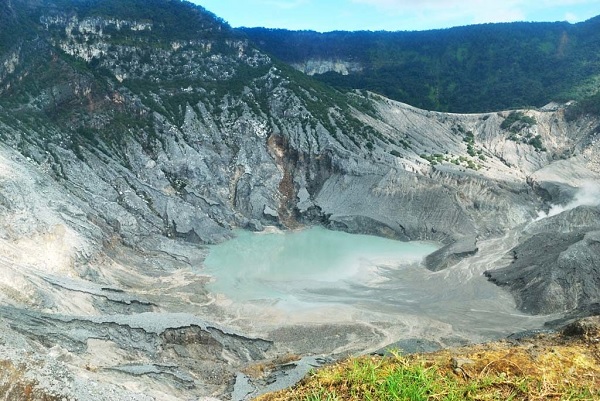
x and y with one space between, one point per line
320 66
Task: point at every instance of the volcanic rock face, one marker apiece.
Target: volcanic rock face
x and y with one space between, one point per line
320 66
127 145
450 254
556 268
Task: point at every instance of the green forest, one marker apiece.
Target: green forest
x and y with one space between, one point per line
475 68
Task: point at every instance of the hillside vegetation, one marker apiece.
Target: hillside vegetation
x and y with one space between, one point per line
476 68
545 367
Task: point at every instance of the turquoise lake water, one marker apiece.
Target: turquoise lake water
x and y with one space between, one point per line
280 266
317 269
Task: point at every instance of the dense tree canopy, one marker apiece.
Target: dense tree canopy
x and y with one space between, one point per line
465 69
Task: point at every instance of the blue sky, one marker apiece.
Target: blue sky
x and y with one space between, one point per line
394 15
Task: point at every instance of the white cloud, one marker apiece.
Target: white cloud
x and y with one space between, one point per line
471 11
498 15
558 3
398 5
444 4
571 17
285 4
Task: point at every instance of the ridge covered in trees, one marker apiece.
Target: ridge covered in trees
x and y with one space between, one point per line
476 68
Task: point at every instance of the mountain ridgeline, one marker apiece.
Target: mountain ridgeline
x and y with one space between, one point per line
134 133
468 69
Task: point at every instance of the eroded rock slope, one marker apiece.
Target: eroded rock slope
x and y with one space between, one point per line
127 145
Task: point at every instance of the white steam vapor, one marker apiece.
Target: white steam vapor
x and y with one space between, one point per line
587 195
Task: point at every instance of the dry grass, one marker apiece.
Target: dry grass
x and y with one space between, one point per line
550 367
